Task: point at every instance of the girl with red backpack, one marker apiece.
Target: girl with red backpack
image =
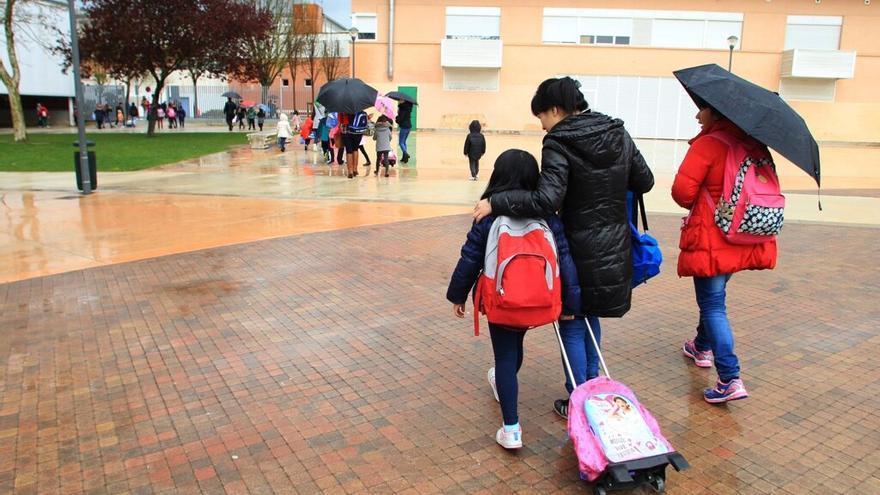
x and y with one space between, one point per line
706 255
514 169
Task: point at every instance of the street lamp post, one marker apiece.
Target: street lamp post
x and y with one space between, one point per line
78 91
354 34
731 42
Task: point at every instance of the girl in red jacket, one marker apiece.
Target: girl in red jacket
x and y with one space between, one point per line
707 256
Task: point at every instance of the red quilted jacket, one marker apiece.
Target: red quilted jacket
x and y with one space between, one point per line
704 252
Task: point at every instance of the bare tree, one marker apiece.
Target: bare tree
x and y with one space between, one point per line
11 76
269 52
331 61
311 55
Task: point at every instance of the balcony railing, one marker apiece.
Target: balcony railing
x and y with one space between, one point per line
819 64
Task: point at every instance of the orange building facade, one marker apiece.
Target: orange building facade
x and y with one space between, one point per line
480 60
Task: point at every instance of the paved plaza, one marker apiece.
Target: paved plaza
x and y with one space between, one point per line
256 323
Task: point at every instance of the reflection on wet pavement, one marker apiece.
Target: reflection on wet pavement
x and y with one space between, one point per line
244 195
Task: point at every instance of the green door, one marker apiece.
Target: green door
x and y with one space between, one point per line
414 92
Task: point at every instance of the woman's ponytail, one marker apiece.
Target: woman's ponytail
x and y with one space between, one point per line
564 93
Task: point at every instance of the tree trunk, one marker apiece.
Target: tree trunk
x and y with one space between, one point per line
11 79
19 131
264 93
154 106
195 78
127 98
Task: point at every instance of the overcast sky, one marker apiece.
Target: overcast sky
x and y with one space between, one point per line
338 10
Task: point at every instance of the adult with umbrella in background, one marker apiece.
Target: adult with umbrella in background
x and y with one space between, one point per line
229 110
349 97
404 119
738 121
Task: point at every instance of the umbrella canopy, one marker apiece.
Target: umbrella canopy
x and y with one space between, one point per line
347 95
247 103
397 95
263 107
231 94
386 106
757 111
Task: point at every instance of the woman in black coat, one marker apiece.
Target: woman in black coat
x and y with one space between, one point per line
588 163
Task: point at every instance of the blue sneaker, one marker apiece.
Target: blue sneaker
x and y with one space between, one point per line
724 392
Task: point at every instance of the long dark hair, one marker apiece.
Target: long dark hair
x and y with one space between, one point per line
563 92
514 169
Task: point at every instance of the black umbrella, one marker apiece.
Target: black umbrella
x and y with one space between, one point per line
759 112
397 95
347 95
232 94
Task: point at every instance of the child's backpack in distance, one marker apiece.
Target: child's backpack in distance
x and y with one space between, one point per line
520 285
751 207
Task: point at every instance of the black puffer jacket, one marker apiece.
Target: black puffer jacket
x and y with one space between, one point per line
588 163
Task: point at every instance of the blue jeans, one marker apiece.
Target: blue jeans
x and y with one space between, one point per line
714 330
401 138
281 143
582 355
507 345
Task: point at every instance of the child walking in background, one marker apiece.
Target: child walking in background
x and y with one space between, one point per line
305 131
514 169
261 118
252 118
382 136
284 131
474 147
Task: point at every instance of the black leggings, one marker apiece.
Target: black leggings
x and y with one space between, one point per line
382 159
366 157
475 166
507 345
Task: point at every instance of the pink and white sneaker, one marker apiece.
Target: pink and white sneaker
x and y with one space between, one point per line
724 392
509 439
703 359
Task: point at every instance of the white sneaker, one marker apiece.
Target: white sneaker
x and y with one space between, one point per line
491 377
509 439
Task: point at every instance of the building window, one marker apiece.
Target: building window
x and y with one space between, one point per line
467 79
810 32
674 29
473 23
366 25
285 82
308 83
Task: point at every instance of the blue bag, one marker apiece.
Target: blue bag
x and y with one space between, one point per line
646 253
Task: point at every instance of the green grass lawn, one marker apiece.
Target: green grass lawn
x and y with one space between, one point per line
114 152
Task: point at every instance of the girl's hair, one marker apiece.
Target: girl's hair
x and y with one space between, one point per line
701 104
383 118
514 169
563 92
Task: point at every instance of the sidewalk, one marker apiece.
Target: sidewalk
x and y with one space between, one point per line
253 322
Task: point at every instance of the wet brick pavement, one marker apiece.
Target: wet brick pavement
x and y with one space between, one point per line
331 362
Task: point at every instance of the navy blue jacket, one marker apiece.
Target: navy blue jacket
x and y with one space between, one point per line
473 252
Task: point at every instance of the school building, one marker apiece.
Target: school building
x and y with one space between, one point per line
469 59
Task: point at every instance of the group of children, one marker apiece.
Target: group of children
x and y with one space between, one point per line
342 137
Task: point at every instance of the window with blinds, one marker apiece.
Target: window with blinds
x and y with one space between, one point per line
473 23
810 32
366 24
660 28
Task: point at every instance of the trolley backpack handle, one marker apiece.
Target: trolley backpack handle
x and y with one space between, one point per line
565 356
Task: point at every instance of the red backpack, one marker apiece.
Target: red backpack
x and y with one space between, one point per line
520 285
751 207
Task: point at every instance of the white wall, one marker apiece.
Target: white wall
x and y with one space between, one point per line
41 73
